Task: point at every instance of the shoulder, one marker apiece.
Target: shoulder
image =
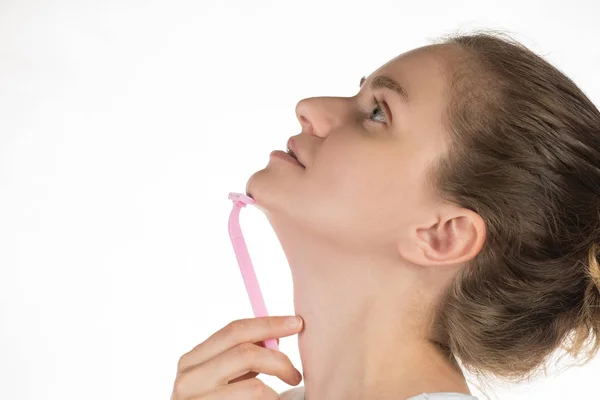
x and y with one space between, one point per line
296 393
443 396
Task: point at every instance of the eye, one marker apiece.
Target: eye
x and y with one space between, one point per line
376 109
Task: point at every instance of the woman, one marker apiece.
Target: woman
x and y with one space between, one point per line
449 212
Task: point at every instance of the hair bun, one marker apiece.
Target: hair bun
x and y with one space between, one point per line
593 267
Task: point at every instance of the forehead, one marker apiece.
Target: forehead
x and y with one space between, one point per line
421 72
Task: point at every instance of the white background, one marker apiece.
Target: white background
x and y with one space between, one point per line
123 127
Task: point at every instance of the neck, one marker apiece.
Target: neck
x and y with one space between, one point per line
366 322
371 362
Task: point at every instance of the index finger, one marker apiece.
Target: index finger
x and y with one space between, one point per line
250 330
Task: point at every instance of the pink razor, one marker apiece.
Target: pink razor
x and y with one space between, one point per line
241 252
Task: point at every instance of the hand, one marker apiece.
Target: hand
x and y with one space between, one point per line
226 364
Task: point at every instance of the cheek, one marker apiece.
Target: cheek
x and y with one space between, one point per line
361 170
348 174
363 195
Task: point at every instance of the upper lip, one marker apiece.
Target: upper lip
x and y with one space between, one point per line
291 144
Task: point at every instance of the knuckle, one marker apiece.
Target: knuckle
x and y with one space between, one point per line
246 350
281 358
256 387
240 325
179 386
273 323
182 363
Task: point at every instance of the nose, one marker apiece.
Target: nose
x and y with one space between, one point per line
320 115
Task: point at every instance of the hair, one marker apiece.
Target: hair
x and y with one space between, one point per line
524 154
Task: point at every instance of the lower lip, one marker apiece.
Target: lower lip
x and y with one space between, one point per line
285 156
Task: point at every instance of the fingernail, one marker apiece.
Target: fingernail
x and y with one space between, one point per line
299 375
293 322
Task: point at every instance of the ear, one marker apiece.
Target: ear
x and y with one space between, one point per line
455 236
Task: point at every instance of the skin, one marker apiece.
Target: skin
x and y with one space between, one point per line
370 245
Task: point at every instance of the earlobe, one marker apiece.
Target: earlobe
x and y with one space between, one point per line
454 237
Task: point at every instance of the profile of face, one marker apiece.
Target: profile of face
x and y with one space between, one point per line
364 186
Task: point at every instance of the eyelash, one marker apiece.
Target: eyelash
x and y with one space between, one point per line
375 103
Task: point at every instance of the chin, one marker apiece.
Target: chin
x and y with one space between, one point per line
270 189
279 198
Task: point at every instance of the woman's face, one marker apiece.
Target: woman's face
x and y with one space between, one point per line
364 182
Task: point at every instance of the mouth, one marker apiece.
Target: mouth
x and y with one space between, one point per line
291 146
291 153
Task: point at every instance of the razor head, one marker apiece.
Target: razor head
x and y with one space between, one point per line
242 198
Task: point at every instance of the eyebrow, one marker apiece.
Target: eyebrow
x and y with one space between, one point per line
381 81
